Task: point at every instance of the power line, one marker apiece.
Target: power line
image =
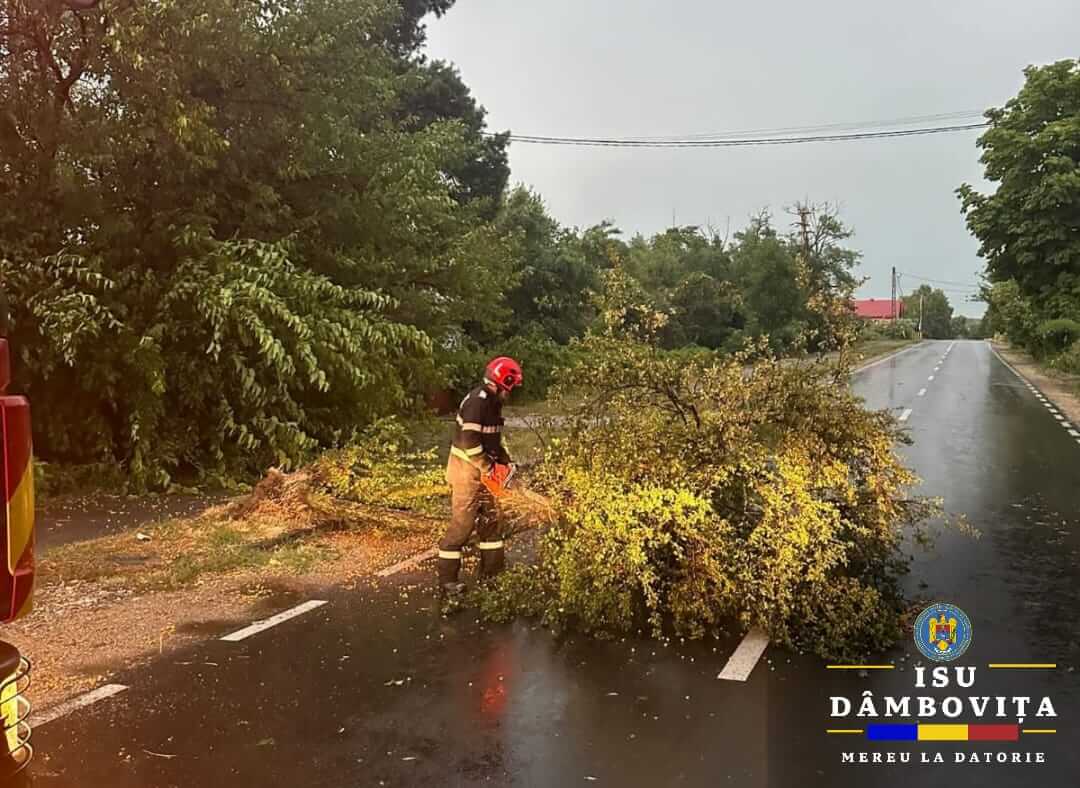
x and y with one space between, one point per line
956 291
848 126
529 139
941 281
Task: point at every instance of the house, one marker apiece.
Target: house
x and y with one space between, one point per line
878 308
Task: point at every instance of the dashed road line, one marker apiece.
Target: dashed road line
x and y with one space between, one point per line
906 414
931 378
63 709
408 563
1050 406
273 621
922 392
746 656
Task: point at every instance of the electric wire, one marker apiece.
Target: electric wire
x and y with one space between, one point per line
965 285
969 294
812 129
736 142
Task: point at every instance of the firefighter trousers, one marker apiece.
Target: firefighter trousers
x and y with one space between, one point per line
472 508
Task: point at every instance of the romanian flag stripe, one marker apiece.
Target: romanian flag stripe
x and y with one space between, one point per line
892 732
914 732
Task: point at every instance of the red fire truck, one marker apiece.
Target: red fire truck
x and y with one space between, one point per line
17 569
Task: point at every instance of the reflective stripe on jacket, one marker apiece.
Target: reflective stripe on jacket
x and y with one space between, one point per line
478 430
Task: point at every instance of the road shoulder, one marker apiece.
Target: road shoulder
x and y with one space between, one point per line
1062 390
109 605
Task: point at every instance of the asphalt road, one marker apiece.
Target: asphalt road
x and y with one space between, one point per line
375 688
78 518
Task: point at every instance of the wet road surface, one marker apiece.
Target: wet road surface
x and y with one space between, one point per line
376 688
78 518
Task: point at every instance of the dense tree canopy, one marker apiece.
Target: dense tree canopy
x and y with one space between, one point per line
1029 227
234 232
225 237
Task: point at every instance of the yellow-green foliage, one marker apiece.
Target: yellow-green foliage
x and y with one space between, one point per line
383 468
693 494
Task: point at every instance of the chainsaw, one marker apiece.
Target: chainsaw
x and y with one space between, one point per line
499 478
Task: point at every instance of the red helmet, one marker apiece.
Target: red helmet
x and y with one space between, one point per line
504 372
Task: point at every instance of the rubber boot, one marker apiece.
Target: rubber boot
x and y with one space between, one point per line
492 561
449 569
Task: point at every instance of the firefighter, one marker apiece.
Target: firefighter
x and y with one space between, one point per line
478 467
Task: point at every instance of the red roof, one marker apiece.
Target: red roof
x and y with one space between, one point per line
878 308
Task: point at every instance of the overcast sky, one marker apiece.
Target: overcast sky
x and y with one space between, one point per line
653 67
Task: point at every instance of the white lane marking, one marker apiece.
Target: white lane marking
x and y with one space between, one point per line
889 357
746 656
930 378
1038 395
273 621
905 415
922 392
408 563
63 709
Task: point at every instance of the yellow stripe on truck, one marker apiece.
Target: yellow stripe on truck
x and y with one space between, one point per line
20 518
17 515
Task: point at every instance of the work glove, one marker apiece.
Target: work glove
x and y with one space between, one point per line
497 478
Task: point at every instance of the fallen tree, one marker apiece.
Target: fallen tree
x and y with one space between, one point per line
691 494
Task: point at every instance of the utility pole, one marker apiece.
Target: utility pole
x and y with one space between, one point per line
894 293
921 296
804 230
